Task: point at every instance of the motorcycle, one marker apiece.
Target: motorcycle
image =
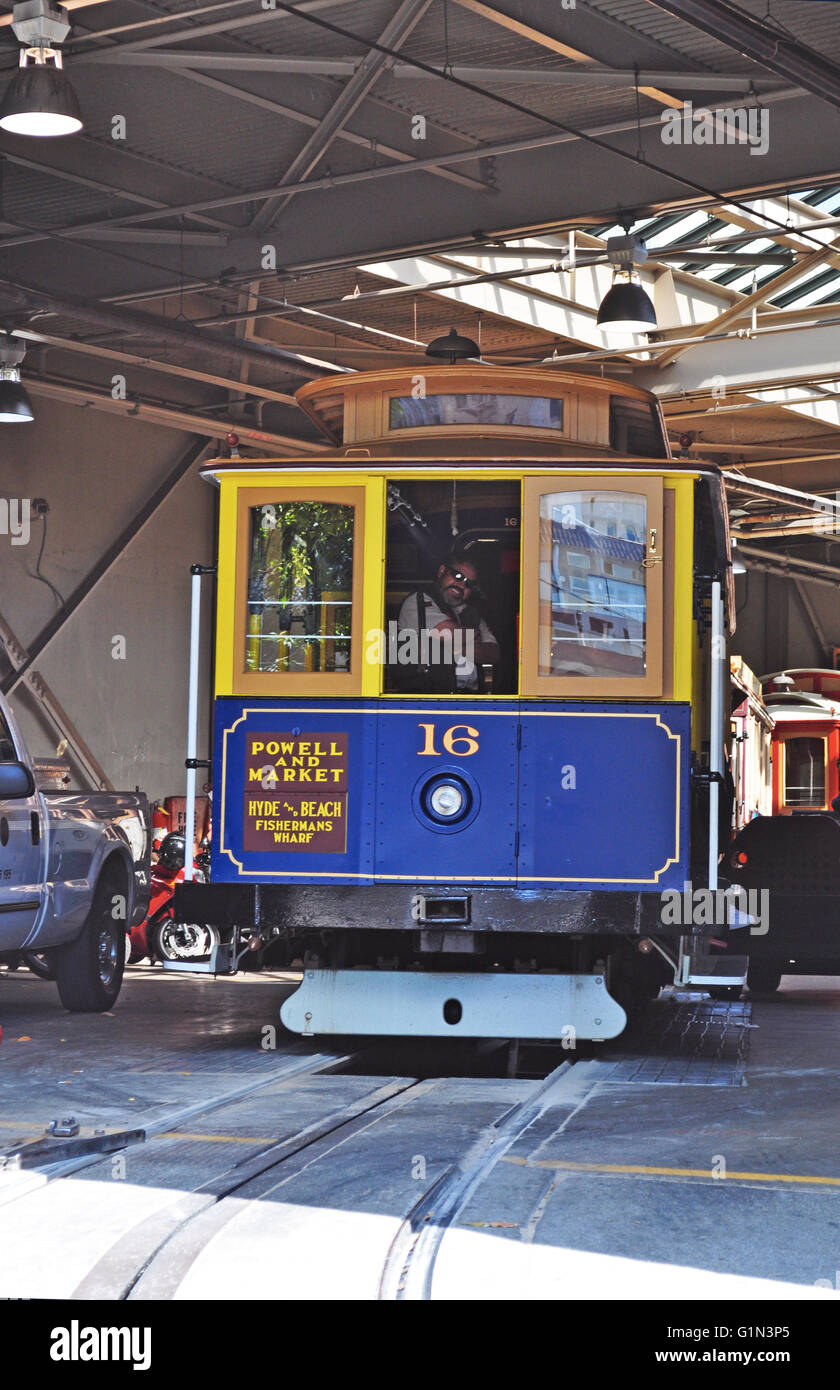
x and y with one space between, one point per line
159 936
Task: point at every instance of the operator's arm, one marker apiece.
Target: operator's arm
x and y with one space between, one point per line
486 647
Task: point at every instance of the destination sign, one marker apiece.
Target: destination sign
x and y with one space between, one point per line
296 793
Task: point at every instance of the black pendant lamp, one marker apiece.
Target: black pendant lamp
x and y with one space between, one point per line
626 308
15 405
453 347
40 99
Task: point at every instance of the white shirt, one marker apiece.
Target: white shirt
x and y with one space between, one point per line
466 674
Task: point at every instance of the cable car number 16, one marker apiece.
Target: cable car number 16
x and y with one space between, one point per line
461 740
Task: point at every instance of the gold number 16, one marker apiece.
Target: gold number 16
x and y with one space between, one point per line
451 736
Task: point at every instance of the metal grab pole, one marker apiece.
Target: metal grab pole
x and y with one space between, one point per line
192 720
715 728
192 762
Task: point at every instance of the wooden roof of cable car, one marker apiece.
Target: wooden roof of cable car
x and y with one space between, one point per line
349 408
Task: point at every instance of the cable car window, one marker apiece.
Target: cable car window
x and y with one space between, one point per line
593 608
805 772
635 428
474 408
300 587
452 587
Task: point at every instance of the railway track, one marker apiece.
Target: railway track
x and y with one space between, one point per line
151 1259
409 1268
347 1158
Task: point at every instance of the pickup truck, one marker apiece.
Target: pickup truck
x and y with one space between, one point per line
74 877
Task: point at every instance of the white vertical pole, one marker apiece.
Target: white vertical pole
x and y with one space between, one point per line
715 727
192 721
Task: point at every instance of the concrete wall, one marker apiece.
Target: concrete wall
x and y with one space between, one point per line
773 629
95 471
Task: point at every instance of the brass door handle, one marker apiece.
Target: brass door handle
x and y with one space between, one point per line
651 558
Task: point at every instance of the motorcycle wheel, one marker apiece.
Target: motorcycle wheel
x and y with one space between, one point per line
183 941
40 965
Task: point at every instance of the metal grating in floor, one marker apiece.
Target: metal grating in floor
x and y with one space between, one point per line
684 1040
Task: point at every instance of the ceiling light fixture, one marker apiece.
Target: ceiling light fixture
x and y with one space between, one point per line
454 347
626 308
40 99
15 405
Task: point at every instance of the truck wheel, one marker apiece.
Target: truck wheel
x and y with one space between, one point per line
763 976
89 970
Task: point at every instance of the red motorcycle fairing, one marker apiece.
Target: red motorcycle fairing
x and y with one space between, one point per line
163 882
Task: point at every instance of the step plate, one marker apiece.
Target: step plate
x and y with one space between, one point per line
685 1040
411 1004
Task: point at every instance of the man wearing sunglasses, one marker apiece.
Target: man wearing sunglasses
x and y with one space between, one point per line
452 605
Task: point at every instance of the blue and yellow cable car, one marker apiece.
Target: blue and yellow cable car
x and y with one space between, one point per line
469 705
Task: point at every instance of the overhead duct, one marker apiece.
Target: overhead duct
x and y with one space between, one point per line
170 332
770 47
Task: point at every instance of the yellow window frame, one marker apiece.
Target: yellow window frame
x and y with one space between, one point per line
238 498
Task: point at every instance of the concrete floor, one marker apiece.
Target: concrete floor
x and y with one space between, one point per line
610 1194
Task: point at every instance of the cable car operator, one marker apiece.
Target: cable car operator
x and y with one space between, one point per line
450 606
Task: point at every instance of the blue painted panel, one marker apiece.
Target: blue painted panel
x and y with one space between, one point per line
481 848
603 795
312 817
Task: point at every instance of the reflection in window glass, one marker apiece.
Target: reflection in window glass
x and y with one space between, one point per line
537 412
7 747
300 584
635 428
804 772
592 584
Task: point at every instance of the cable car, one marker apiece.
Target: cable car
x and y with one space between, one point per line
792 853
470 675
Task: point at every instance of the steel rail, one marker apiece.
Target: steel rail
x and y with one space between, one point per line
409 1267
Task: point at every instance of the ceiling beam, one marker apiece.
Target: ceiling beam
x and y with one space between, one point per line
737 311
173 417
590 75
230 62
170 332
303 118
774 356
544 40
768 46
333 181
396 31
256 15
152 364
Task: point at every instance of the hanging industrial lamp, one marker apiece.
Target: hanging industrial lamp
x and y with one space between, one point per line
626 308
15 405
453 347
40 99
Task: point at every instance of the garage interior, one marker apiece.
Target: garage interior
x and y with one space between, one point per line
262 194
391 198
